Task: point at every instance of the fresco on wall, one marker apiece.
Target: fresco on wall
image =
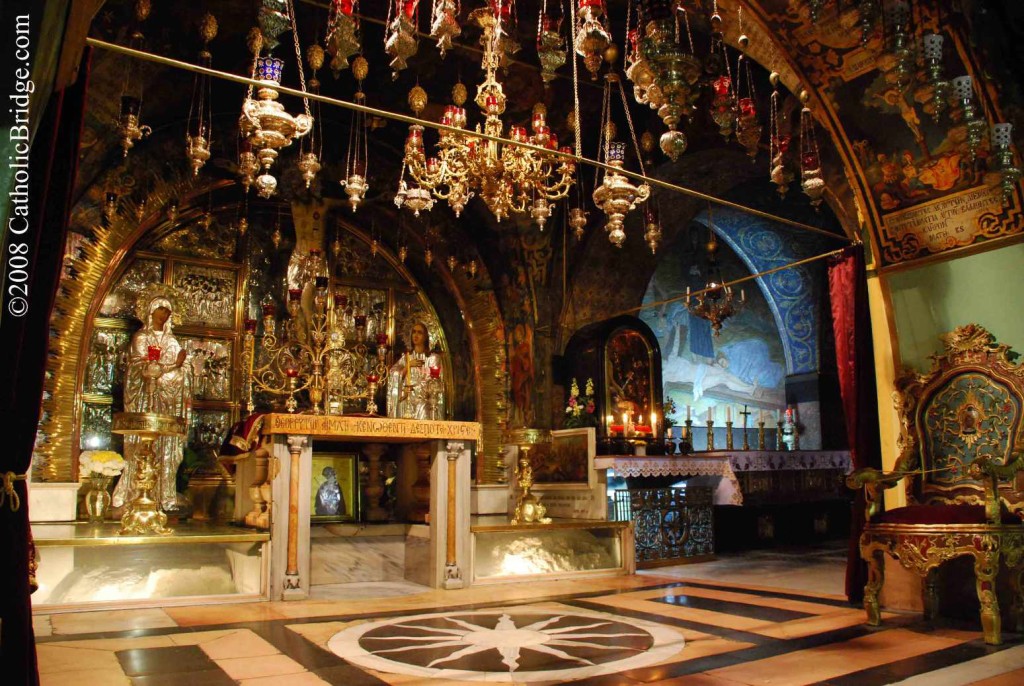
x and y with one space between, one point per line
744 366
926 194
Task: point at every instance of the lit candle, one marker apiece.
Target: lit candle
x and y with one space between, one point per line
778 416
688 408
625 421
711 414
611 420
435 372
654 423
728 413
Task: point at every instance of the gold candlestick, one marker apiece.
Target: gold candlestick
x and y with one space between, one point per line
779 445
746 442
711 434
728 435
760 435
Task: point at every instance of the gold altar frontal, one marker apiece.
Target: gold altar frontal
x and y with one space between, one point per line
438 455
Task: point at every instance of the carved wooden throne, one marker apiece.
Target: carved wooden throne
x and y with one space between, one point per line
961 448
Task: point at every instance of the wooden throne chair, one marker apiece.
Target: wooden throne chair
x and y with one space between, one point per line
961 450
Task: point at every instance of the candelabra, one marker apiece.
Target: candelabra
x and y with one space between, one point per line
324 350
711 434
728 435
760 434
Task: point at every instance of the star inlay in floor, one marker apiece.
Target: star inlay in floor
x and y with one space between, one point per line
508 644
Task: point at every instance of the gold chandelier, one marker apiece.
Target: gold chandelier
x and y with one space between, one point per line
510 179
717 302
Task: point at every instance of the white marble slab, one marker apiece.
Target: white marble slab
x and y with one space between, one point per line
342 560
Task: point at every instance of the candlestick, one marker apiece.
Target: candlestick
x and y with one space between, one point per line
711 432
779 445
728 433
688 432
760 433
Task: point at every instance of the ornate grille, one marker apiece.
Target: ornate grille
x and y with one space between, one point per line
669 523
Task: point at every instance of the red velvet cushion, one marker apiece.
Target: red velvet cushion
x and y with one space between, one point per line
941 514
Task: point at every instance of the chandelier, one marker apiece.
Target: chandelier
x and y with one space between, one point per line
264 121
716 302
510 179
329 347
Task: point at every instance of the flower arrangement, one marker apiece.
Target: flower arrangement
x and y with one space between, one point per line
668 411
100 463
580 410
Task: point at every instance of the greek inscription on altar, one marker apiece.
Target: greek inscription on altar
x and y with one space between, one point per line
382 427
939 225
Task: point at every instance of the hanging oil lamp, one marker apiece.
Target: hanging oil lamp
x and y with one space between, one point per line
400 41
810 159
592 36
1009 172
355 182
778 142
933 63
617 195
867 10
748 125
652 228
550 44
200 114
342 33
897 19
963 89
311 147
248 165
723 101
129 128
444 23
264 121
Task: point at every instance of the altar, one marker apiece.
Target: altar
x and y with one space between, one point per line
434 480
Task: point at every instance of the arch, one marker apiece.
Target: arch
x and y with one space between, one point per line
764 245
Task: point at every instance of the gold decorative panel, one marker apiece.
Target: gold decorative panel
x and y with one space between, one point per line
207 293
120 302
211 363
208 429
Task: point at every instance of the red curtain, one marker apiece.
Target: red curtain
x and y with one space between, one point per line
851 323
24 347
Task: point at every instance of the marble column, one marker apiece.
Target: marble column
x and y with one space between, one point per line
291 573
452 573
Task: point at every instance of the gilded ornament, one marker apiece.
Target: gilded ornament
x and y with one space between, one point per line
208 27
360 68
315 56
459 94
417 99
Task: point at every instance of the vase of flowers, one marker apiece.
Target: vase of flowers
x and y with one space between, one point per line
580 410
99 467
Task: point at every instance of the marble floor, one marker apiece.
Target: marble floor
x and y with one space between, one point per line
761 618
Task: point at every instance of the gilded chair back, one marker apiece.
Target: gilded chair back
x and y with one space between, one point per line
969 406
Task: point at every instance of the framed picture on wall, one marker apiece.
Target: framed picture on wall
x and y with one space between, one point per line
567 461
335 491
